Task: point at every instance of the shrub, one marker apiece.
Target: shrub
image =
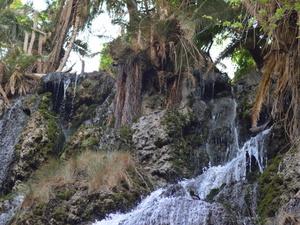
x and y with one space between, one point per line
99 170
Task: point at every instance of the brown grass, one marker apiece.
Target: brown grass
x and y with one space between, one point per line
97 170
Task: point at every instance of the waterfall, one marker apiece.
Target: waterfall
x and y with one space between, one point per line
222 142
11 126
9 208
175 206
63 87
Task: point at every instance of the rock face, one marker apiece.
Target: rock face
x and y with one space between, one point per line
284 207
170 145
152 145
199 138
39 139
77 98
75 204
11 126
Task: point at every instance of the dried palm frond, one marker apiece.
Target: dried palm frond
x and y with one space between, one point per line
282 63
19 83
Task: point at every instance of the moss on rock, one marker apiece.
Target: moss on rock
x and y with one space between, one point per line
270 190
187 142
38 141
74 202
85 138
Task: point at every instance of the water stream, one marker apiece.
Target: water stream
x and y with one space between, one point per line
175 206
11 126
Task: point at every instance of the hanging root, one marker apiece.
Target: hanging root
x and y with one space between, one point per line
281 65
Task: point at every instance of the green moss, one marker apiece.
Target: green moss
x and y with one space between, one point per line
175 122
83 113
31 101
6 197
39 209
89 142
53 130
270 190
59 213
186 140
246 109
65 194
125 133
214 192
86 83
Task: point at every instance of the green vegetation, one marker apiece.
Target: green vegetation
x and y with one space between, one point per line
175 123
53 130
186 142
126 133
245 63
270 189
106 60
214 192
86 138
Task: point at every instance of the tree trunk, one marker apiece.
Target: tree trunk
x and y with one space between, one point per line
63 25
70 45
29 52
26 39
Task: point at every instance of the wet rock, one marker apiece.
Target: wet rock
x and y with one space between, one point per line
245 93
39 140
12 124
77 97
222 135
240 199
169 145
8 207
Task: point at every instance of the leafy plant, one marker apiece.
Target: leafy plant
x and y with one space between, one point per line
244 61
106 60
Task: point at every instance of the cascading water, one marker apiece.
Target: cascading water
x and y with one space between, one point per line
63 101
222 142
11 126
174 205
9 208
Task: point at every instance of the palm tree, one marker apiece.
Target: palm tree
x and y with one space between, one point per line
281 22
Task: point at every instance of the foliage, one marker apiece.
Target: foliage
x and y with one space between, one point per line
280 22
244 61
106 60
214 192
270 189
186 141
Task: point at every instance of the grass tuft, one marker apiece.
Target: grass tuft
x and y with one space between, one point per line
97 170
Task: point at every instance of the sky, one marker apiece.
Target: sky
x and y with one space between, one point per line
102 26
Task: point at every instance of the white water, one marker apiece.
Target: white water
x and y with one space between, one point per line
178 208
66 86
9 207
11 125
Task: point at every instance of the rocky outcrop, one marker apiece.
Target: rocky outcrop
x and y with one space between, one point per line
168 145
85 138
39 140
75 204
78 98
280 199
11 126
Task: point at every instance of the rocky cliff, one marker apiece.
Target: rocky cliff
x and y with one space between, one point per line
65 161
